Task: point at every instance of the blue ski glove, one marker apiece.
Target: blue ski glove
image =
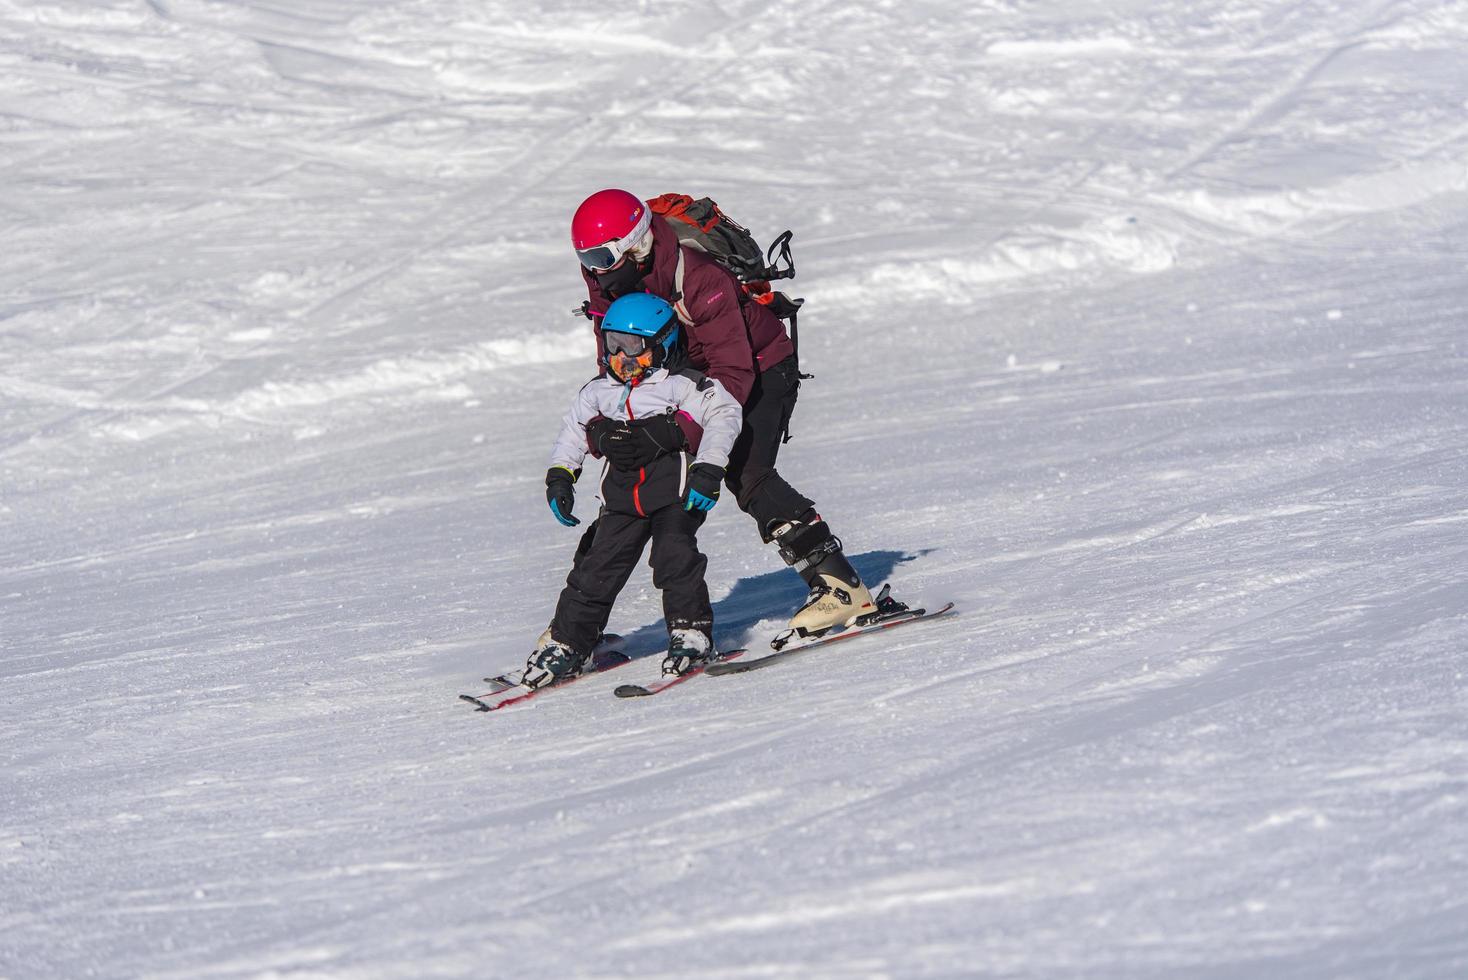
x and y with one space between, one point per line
703 486
561 494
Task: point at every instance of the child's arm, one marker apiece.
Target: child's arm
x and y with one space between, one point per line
570 448
719 414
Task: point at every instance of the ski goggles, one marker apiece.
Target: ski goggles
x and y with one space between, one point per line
609 255
629 356
602 258
630 367
624 343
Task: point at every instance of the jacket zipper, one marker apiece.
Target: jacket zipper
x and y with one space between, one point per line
642 470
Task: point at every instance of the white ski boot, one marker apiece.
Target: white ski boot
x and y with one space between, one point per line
687 650
552 662
837 596
831 603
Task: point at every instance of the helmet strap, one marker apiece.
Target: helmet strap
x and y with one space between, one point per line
642 251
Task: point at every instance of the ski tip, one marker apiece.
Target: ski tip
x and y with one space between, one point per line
478 704
631 691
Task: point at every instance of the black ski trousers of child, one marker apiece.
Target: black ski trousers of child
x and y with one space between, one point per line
604 563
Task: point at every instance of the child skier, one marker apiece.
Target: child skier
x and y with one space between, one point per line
665 499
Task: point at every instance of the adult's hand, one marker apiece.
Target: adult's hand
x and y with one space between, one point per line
633 445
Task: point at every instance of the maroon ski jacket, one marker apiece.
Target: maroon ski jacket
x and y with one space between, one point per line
729 340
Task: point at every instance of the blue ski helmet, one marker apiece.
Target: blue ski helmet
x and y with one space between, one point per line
639 332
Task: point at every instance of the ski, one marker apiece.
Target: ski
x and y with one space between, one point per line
499 682
882 622
659 686
517 693
610 643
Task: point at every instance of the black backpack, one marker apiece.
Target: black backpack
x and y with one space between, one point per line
703 225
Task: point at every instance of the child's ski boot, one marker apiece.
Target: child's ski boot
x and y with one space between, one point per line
551 662
687 650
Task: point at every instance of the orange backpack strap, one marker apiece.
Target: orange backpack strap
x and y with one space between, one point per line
673 207
702 214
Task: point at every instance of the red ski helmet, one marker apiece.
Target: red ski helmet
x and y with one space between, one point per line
606 225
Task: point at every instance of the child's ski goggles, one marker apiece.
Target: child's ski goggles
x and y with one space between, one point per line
624 343
628 355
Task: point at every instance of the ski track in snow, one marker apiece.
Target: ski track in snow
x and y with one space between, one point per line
1136 331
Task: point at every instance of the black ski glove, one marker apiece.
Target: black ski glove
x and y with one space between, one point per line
633 445
600 430
703 486
561 494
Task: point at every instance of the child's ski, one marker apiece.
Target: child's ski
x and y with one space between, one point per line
610 646
659 686
509 691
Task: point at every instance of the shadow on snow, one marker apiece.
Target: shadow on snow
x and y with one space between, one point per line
774 595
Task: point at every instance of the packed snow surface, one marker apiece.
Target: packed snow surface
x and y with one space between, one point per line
1138 330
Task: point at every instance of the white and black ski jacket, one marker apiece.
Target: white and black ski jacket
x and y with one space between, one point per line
705 401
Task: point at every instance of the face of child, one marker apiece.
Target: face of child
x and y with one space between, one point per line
629 356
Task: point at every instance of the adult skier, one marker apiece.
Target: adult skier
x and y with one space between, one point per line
742 345
663 500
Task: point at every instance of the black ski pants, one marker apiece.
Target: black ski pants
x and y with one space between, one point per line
761 491
605 559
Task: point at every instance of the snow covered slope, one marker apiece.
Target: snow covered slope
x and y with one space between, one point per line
1138 330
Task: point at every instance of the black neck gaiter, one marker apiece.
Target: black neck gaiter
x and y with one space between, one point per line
624 279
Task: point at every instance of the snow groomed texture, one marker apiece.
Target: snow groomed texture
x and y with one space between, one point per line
1137 330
